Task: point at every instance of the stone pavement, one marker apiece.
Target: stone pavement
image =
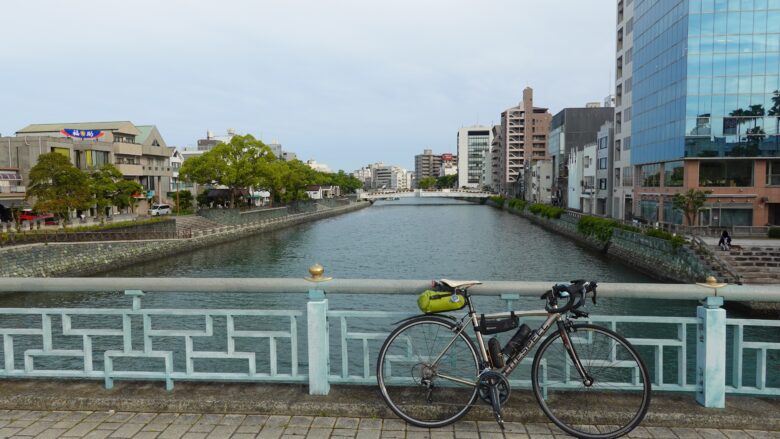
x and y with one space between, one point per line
111 424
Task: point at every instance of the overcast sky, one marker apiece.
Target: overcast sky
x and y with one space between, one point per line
346 83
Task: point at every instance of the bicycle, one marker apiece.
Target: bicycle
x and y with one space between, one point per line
442 372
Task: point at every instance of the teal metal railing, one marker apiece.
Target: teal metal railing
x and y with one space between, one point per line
319 345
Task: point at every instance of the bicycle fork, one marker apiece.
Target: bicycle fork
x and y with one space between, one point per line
587 380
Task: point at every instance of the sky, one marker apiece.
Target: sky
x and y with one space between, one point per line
342 82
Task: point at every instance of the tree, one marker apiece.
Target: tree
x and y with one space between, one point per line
58 186
447 181
426 183
183 201
690 203
774 111
238 164
109 188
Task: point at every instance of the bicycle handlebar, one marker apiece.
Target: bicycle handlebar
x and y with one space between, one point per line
574 293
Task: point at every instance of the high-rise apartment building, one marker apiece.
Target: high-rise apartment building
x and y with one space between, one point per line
524 131
705 104
622 171
426 164
473 154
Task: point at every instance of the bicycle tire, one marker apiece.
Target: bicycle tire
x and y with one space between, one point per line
405 394
612 362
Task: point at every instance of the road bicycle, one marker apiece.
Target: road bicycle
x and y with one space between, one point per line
430 371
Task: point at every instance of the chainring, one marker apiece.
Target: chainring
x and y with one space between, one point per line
492 379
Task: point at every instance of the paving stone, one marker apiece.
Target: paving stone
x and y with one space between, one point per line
155 426
109 426
187 418
393 424
169 418
292 436
242 436
465 426
222 431
368 434
146 435
277 421
120 417
174 431
129 430
319 433
97 434
97 417
65 424
516 436
418 435
466 434
232 420
270 432
370 424
255 420
661 432
295 431
763 434
36 428
343 432
736 434
392 434
81 429
534 429
640 432
52 433
33 415
200 427
7 431
20 423
710 433
249 429
191 435
685 433
351 423
323 422
436 434
143 418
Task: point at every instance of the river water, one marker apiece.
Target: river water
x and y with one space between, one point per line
389 240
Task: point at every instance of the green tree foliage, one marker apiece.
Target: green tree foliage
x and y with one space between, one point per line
447 181
58 186
426 183
690 203
238 165
109 188
183 201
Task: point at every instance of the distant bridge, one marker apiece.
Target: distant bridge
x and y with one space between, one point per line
422 193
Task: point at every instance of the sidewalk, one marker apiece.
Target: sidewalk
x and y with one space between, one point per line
101 424
42 408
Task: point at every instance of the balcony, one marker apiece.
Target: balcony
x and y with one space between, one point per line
129 170
12 192
127 149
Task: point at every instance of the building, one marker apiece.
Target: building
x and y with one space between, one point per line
605 178
320 167
623 172
211 140
582 179
473 154
538 177
705 109
523 137
138 151
426 164
319 192
448 166
571 129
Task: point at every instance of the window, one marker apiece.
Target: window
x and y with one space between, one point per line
628 84
602 183
617 176
627 143
673 174
773 173
726 173
628 176
651 175
603 163
629 55
627 114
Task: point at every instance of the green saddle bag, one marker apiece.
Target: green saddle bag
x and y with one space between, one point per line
431 301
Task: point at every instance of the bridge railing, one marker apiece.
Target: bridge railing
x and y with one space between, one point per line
297 331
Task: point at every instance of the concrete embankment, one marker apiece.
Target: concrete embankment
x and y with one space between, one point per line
666 409
89 258
655 257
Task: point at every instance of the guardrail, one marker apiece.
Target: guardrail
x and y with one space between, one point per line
719 264
20 238
266 343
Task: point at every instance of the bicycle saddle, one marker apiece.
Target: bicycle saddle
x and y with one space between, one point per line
459 283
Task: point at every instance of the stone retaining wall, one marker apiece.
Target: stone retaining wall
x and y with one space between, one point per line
653 256
85 259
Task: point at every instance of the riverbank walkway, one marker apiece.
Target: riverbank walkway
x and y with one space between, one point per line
84 409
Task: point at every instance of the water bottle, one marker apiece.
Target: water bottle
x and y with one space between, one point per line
518 341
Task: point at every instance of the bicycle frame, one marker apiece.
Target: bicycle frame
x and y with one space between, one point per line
536 336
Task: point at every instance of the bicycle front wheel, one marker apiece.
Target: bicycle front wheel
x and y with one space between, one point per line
427 372
618 397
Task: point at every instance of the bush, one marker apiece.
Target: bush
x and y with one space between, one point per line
517 204
498 199
675 240
599 228
774 232
546 211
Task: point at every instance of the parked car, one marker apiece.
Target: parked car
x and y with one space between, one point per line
29 215
160 209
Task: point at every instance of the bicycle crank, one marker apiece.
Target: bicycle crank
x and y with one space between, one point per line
494 389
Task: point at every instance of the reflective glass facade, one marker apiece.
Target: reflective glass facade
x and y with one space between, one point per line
706 79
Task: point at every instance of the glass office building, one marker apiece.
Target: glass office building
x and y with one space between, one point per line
706 78
706 102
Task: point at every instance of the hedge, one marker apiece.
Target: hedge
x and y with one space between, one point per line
546 211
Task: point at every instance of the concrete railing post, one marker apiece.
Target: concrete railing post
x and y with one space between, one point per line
318 337
711 353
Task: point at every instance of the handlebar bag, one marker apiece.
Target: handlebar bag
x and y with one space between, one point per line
431 302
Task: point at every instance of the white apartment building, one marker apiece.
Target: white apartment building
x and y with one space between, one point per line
623 175
473 143
540 187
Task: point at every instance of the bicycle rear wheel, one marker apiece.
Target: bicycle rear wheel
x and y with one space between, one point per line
427 372
615 402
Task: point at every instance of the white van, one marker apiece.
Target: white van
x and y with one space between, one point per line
160 209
